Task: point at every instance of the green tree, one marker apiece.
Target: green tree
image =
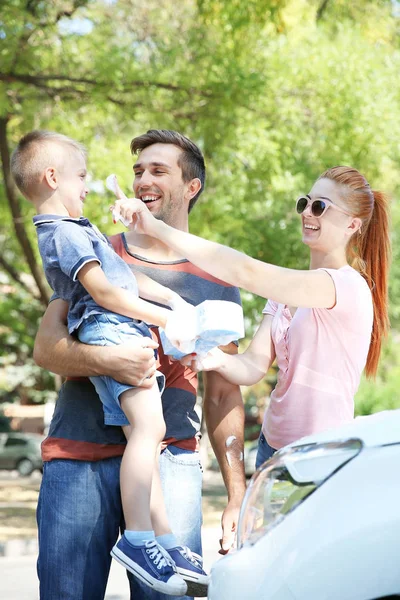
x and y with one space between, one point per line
273 92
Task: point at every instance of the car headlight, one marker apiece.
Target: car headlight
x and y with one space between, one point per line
286 480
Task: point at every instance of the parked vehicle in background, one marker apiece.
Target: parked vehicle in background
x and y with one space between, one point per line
250 455
21 452
321 520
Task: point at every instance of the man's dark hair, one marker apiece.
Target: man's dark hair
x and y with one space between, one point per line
191 161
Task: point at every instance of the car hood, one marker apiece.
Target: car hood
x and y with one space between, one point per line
374 430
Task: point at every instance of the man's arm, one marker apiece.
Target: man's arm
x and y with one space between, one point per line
57 351
224 414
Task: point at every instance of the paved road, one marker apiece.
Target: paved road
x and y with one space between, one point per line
19 582
18 579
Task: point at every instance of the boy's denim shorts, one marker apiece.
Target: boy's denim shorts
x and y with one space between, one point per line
109 329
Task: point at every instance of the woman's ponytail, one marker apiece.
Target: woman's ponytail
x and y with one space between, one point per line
374 254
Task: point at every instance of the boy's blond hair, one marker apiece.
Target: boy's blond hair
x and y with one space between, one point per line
37 151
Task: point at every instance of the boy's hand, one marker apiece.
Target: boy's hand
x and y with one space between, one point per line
181 326
176 302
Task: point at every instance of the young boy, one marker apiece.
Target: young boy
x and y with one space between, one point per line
104 309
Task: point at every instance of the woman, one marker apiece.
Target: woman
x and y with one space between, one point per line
324 325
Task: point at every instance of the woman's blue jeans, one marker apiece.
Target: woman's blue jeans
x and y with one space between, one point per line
80 517
264 451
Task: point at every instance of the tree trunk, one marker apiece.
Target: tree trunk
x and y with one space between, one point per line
321 9
13 273
20 231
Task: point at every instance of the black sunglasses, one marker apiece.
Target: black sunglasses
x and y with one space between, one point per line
318 206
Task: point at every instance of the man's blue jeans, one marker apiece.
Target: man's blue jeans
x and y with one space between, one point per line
80 516
264 451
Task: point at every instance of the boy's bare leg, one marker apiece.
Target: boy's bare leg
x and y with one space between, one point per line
138 550
143 410
159 517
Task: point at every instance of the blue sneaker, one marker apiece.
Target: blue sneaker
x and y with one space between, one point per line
150 565
189 566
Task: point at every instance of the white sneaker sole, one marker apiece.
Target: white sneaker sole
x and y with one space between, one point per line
197 584
175 588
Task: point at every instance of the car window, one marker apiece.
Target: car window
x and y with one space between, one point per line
15 442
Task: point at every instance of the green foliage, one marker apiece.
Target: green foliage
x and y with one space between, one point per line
273 91
19 376
383 393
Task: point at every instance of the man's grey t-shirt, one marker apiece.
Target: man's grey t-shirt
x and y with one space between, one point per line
66 245
77 430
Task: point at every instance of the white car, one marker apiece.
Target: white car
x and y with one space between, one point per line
321 520
250 455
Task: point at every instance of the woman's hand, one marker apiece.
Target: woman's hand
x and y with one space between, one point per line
211 362
135 212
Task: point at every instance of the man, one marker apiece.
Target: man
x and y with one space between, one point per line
79 510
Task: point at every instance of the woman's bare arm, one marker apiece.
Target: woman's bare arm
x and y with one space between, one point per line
311 288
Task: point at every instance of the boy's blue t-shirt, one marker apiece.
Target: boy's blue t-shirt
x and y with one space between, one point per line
66 245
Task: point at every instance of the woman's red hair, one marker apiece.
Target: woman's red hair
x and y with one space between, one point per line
369 250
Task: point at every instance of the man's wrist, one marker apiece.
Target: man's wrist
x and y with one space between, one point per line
236 497
236 484
99 360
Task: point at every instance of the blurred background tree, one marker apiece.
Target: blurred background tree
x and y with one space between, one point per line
273 91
